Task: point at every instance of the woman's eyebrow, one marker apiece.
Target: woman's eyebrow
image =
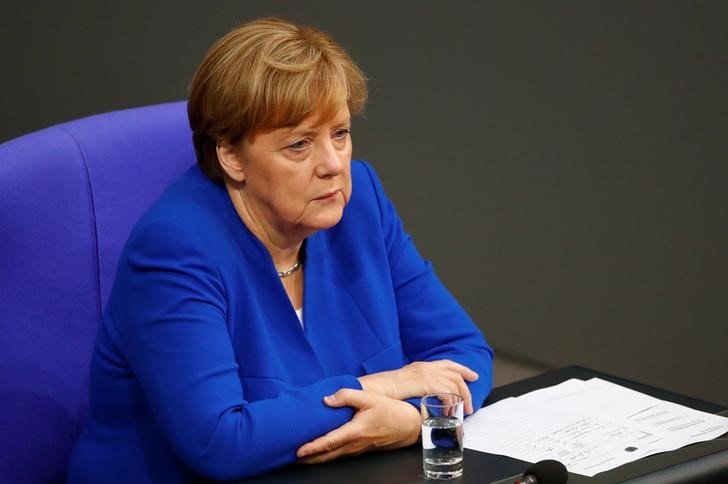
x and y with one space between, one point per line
296 131
301 132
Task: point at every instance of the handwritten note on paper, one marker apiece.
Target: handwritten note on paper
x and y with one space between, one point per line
590 426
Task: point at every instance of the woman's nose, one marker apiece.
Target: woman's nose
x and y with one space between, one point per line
330 160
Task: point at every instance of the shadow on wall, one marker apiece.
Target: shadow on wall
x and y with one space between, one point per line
508 368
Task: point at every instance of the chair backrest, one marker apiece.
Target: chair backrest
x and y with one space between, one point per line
69 195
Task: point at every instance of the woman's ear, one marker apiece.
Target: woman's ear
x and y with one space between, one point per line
230 160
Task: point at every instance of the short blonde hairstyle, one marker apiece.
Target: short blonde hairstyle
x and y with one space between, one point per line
268 74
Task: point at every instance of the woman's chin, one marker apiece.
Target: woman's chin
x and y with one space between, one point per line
326 218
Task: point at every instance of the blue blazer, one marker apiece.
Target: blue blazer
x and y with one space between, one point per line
201 366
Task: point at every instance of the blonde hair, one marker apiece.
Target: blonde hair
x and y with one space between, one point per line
268 74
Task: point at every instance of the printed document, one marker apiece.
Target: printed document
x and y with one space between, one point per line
590 426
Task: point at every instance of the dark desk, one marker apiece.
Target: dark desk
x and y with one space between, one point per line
405 465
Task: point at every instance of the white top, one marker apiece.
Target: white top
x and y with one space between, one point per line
299 313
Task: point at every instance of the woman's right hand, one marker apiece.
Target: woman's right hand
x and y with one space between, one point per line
380 423
421 378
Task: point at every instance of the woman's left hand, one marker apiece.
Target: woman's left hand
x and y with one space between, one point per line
380 423
421 378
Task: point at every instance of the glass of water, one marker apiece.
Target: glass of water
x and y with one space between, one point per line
442 435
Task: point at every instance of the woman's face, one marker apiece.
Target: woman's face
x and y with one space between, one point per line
297 180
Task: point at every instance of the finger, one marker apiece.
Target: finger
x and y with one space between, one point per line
347 397
463 370
330 441
464 392
470 375
451 381
460 387
351 448
449 398
456 385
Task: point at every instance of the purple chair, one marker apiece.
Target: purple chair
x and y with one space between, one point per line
69 196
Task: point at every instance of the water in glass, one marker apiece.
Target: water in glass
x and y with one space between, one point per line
442 447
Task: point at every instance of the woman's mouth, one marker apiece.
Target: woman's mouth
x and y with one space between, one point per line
329 196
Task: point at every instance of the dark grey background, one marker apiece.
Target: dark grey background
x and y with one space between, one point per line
563 164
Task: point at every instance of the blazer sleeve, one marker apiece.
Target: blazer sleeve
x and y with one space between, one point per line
433 326
170 313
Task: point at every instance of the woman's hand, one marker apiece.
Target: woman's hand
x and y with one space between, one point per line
420 378
380 423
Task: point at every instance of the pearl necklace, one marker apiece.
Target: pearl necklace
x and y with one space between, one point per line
290 270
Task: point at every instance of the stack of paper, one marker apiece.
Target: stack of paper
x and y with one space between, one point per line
590 426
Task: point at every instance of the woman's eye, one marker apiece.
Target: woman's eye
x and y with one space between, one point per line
342 133
299 145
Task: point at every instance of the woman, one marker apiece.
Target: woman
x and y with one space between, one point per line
269 308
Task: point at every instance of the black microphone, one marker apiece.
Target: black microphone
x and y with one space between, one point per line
545 472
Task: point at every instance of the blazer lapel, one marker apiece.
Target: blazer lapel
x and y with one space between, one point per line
336 328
